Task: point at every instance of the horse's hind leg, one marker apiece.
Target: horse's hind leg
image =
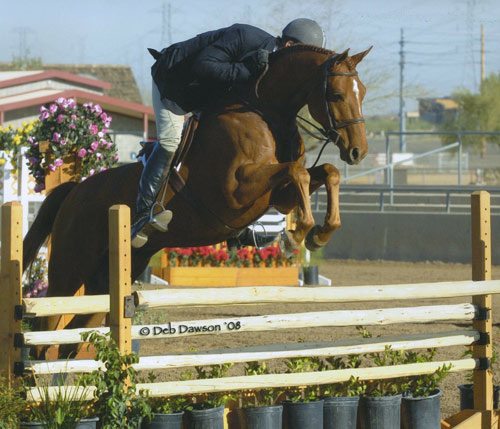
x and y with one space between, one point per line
255 180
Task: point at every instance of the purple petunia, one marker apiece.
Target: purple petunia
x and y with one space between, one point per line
93 129
82 152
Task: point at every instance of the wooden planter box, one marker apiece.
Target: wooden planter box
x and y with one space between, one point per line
231 276
70 171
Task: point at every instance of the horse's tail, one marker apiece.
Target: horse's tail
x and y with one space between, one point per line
42 226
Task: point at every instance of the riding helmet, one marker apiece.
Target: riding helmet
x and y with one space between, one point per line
305 31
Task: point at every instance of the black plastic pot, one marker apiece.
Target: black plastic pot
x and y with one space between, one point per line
379 412
213 418
262 417
421 412
340 412
83 424
303 415
311 275
164 421
467 396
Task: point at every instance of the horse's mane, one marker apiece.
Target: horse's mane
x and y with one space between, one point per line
290 50
299 48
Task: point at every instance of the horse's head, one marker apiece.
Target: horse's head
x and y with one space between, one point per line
335 102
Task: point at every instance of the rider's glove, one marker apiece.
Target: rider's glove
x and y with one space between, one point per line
257 61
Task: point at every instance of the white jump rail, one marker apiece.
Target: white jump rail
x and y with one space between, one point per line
267 295
382 316
171 297
193 387
342 347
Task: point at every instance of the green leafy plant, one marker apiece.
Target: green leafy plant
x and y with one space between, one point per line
116 401
11 404
304 364
389 357
352 387
261 397
217 399
170 405
426 384
61 409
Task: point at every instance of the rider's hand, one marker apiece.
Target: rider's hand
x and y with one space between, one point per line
257 61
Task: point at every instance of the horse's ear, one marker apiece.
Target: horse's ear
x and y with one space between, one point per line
356 59
342 57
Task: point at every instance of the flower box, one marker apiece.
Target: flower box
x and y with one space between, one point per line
231 276
69 171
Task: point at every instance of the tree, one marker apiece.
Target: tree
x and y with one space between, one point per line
477 112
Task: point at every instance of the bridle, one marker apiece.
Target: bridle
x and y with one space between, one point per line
331 133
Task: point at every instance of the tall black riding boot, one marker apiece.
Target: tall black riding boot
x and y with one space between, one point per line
154 174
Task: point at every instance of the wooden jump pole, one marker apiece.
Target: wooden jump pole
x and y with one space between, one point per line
120 277
11 286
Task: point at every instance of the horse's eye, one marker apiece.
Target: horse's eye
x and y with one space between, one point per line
334 96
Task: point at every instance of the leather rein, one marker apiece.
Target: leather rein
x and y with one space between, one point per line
331 133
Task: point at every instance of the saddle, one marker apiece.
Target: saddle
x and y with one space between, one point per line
187 136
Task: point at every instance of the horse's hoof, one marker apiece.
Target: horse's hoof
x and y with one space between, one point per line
139 240
161 220
311 243
287 244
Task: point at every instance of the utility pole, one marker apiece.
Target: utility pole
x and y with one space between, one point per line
483 56
166 24
402 114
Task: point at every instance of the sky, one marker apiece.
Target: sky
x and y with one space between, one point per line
442 37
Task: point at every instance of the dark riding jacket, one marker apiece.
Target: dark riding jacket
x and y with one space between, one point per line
201 69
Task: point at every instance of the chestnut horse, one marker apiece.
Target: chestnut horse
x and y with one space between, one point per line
245 158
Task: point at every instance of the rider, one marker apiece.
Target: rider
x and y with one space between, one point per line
188 74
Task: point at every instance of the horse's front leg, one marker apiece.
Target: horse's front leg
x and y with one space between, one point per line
328 175
286 200
255 180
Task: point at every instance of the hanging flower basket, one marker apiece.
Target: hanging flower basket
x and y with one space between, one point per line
69 142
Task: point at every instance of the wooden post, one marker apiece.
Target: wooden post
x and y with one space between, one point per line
11 286
120 276
481 270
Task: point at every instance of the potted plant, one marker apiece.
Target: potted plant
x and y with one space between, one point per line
66 409
421 405
167 413
11 404
467 389
69 140
260 410
303 408
115 398
340 409
380 406
208 411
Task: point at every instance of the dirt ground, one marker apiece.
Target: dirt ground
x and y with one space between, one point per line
342 273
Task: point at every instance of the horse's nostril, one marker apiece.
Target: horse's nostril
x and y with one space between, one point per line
354 154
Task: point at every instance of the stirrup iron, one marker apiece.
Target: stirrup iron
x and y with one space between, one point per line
161 220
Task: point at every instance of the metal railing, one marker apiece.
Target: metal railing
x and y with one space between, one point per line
389 167
382 198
